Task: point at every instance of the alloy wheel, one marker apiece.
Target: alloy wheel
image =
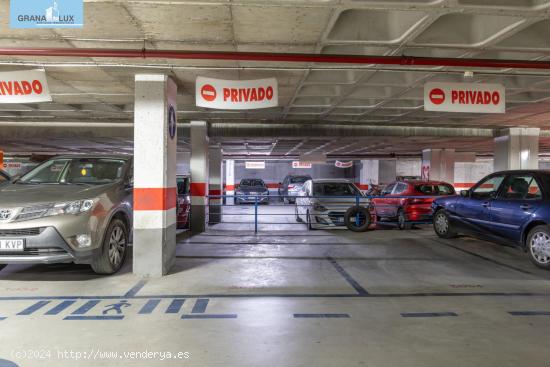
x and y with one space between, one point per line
441 223
540 247
117 246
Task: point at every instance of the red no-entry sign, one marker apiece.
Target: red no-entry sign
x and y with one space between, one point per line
464 97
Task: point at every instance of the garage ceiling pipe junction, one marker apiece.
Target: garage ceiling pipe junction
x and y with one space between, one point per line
274 57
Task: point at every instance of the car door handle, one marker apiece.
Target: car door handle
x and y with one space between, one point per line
485 204
525 207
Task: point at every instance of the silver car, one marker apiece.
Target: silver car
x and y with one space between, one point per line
322 203
70 209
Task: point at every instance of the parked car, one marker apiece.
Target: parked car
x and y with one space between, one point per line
250 189
4 178
184 201
69 209
393 207
323 203
291 187
511 207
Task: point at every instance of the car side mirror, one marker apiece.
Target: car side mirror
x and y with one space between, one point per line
130 183
465 193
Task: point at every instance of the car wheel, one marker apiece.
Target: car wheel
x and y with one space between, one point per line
309 225
113 250
402 220
442 225
298 219
350 218
538 246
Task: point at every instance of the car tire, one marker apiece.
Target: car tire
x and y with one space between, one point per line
309 225
538 246
442 225
402 220
298 219
113 250
349 219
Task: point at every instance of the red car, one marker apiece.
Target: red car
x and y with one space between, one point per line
405 211
184 201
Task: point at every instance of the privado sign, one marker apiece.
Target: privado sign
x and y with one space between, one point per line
236 94
29 86
464 97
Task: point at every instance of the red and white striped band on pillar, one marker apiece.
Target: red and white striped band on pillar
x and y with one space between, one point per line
199 193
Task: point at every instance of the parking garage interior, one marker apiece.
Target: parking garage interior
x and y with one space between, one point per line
251 283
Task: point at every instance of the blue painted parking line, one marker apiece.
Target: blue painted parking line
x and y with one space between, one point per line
175 306
529 313
94 318
321 316
213 316
2 318
149 307
200 305
135 289
86 307
60 307
35 307
429 314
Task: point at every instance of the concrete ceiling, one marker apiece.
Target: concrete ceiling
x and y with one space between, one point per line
99 89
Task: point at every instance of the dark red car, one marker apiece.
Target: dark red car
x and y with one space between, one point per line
184 201
405 211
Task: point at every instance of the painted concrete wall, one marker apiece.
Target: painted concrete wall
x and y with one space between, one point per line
275 172
468 173
409 167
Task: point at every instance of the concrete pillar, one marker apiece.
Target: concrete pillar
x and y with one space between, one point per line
438 165
517 148
377 172
230 180
199 175
215 185
155 143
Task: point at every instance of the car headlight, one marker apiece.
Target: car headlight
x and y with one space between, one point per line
72 207
319 208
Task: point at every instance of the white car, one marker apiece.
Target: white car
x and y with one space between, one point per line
322 203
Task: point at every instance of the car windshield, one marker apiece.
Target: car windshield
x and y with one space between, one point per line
299 179
252 182
92 171
335 189
435 189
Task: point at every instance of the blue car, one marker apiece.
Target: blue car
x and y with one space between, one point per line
511 207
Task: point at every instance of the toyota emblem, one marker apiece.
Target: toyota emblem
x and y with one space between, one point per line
5 214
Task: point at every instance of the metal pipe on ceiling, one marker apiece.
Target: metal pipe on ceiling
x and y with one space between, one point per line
275 57
294 130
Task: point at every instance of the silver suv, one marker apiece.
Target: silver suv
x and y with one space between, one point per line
69 209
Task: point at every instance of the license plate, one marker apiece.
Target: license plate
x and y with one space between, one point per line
12 245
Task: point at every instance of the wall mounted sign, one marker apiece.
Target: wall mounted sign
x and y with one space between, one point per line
343 164
46 13
255 165
236 94
28 86
172 122
464 97
298 164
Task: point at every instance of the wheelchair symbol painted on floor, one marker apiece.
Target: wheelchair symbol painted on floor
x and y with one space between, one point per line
116 307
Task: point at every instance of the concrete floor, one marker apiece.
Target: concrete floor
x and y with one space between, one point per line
289 298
